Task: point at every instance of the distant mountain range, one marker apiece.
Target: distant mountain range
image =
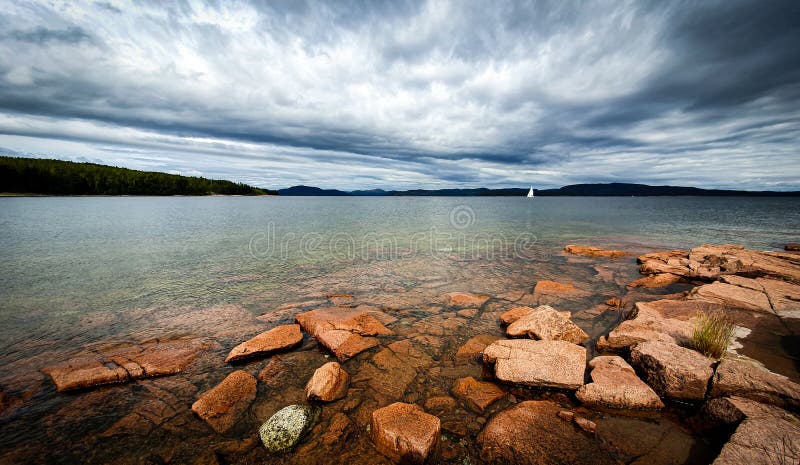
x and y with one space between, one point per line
614 189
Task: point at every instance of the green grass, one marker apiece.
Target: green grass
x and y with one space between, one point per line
712 334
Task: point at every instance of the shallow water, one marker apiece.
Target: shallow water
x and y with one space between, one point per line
87 273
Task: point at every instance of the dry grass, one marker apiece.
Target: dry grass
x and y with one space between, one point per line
712 334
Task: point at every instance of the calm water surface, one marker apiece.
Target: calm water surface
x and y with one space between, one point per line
79 273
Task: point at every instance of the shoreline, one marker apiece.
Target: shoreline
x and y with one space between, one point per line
385 353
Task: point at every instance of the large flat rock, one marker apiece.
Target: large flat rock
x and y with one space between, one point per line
555 364
280 338
661 320
126 363
531 433
731 295
464 300
595 252
673 371
346 331
546 323
615 385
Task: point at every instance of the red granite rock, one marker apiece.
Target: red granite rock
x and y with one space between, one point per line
673 371
405 433
477 395
472 349
556 364
329 383
546 323
464 300
222 406
615 385
280 338
589 251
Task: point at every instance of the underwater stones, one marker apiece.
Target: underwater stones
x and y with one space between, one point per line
125 364
276 339
405 433
673 371
546 323
531 433
329 383
471 351
589 251
555 364
477 395
548 292
615 385
222 406
287 427
464 300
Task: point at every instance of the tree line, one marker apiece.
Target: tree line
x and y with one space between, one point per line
58 177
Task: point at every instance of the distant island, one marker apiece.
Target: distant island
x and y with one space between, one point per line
614 189
57 177
37 176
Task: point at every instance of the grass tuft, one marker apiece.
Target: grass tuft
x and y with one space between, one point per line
712 334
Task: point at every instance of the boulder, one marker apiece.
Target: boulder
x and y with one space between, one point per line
405 433
476 395
792 247
545 323
222 406
125 364
747 378
673 371
287 427
555 364
732 296
531 433
589 251
660 320
615 385
656 280
329 383
472 349
276 339
464 300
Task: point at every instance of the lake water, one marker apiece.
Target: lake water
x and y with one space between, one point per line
80 273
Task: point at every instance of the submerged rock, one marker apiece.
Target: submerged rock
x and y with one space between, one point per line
548 292
615 385
329 383
531 433
747 378
477 395
287 427
405 433
464 300
471 351
276 339
589 251
673 371
545 323
555 364
515 314
222 406
126 363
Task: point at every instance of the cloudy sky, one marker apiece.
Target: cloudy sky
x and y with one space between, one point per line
365 94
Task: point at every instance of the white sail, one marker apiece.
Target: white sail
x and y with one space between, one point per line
530 192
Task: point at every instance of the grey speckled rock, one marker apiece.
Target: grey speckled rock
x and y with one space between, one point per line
285 429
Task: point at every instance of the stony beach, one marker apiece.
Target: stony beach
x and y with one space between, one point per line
424 376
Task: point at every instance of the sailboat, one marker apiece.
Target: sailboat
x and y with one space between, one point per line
530 193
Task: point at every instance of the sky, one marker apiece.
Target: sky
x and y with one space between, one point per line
418 94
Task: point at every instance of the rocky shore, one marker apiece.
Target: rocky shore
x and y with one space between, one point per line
525 381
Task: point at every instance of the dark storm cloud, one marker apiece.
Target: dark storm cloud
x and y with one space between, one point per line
411 94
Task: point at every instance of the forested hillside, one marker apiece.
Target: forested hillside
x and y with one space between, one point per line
57 177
